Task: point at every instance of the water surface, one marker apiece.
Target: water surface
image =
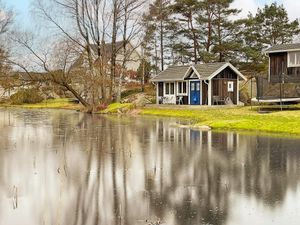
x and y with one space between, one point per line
67 168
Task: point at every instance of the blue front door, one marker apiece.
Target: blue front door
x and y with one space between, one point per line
195 92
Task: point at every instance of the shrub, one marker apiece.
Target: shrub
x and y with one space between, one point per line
26 96
101 107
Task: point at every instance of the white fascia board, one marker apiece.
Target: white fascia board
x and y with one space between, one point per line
281 51
192 68
166 80
225 66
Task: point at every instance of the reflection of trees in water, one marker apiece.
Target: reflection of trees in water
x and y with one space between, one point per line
188 175
129 171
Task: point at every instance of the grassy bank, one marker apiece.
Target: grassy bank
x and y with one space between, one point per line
61 103
242 118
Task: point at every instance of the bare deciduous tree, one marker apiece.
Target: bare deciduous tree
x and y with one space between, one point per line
91 29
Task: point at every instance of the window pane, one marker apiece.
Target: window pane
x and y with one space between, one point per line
292 57
192 86
172 88
180 87
298 58
230 86
184 87
198 86
167 88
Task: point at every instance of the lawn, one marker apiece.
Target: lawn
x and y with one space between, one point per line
242 118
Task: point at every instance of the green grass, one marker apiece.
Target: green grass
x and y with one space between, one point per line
242 118
116 107
60 103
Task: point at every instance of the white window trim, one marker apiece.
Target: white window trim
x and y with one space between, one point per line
165 89
186 88
230 83
288 59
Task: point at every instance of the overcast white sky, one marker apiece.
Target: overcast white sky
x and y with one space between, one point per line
292 6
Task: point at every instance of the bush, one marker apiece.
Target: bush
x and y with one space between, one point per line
26 96
101 107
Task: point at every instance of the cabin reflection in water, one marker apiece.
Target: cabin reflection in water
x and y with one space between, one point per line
195 138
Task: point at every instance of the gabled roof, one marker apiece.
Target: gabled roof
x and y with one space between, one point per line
208 69
283 48
204 72
173 73
108 47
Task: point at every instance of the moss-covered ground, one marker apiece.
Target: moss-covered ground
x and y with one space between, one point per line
60 103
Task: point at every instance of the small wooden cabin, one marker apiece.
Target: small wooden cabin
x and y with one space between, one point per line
284 63
201 84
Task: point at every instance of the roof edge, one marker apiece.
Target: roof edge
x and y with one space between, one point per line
224 67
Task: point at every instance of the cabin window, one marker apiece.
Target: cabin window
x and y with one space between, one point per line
169 88
294 59
230 86
181 87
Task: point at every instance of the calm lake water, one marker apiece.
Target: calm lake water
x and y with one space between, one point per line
67 168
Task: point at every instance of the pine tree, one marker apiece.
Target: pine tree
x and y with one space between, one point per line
157 21
225 30
186 11
275 27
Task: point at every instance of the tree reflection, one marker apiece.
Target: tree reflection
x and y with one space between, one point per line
116 170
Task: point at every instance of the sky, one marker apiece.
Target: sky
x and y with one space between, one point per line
22 8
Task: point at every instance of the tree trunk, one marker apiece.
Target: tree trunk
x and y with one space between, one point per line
161 38
113 48
77 96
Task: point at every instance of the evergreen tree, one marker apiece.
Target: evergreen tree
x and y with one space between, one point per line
225 30
185 12
157 21
205 20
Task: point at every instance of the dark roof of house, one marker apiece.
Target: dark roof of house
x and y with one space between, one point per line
283 48
178 72
172 73
108 47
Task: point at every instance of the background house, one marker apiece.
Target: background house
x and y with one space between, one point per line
201 84
283 81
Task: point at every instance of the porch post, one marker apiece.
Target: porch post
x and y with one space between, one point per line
189 92
237 91
201 92
157 98
209 92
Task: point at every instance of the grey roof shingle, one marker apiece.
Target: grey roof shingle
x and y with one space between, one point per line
206 70
174 73
283 48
